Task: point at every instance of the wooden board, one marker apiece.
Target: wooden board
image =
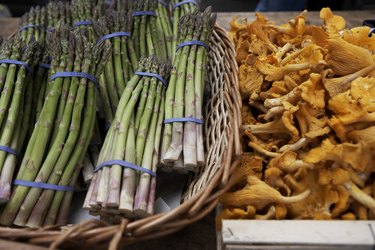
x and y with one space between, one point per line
8 26
296 234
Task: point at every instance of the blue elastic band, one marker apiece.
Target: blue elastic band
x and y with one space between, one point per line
44 65
115 34
43 185
9 150
184 119
28 26
10 61
76 74
144 13
50 29
193 42
87 22
125 164
152 75
184 2
163 3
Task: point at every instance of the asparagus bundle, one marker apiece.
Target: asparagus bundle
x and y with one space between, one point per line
114 29
92 155
124 181
58 13
180 9
16 67
62 133
33 25
182 147
148 34
162 11
84 12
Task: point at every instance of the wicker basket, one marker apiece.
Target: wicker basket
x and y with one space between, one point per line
222 113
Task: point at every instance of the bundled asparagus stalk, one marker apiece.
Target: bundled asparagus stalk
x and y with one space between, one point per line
183 135
124 181
33 25
58 13
181 8
83 14
162 11
55 149
114 29
16 69
148 34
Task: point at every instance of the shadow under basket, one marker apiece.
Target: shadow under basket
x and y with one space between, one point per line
223 148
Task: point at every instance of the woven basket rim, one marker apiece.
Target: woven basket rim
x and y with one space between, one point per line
96 232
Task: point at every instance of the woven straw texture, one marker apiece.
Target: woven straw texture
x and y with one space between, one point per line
222 141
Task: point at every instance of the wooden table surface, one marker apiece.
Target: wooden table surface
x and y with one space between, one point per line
8 26
353 18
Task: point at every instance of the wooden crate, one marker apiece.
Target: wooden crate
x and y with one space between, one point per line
296 234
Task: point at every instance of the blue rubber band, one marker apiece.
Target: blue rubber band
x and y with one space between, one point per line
163 3
185 2
50 29
184 119
125 164
44 65
11 61
30 25
115 34
43 185
9 150
144 13
76 74
193 42
86 22
152 75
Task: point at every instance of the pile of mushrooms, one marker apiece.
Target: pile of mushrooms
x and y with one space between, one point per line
308 121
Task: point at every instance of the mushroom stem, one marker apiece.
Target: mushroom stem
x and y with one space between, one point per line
296 198
262 150
280 54
295 146
274 127
335 86
291 97
258 106
360 196
296 165
275 111
269 215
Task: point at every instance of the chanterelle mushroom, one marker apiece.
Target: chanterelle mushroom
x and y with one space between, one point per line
258 194
309 117
354 155
345 58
